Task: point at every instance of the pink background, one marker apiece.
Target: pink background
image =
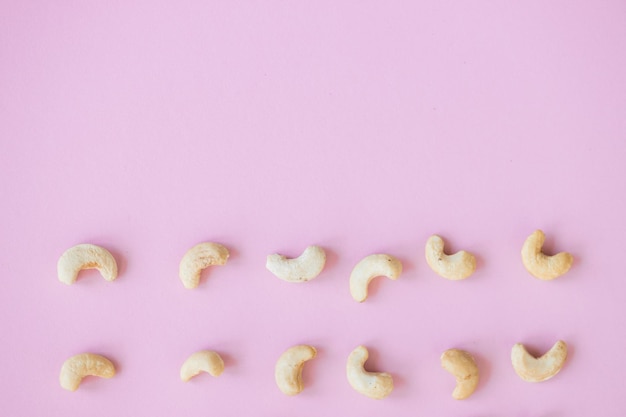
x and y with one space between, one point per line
364 127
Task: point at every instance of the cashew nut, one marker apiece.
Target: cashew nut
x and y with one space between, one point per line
540 265
533 369
375 385
288 371
463 366
79 366
301 269
454 267
86 256
202 361
199 257
370 267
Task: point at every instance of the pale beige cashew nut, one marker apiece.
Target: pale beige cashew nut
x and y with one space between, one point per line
202 361
375 385
541 265
85 364
301 269
539 369
198 258
453 267
370 267
288 371
86 256
463 367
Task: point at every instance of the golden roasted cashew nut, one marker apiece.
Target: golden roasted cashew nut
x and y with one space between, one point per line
541 265
463 366
198 258
86 256
288 370
375 385
454 267
539 369
85 364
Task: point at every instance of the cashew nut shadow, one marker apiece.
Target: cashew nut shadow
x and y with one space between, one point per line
79 366
288 371
202 361
86 256
198 258
539 369
453 267
301 269
541 265
377 385
463 367
370 267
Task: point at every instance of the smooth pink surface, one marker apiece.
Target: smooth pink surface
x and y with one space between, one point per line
364 127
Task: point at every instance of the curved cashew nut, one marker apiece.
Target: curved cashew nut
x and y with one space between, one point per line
199 257
533 369
301 269
288 371
202 361
375 385
454 267
86 256
463 366
370 267
79 366
540 265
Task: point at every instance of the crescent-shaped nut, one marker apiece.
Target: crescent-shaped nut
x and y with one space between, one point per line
86 256
199 257
370 267
541 265
202 361
539 369
375 385
463 366
288 371
79 366
454 267
301 269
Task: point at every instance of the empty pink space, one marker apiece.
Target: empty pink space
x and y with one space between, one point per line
147 127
